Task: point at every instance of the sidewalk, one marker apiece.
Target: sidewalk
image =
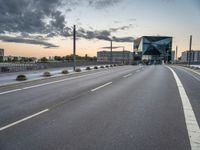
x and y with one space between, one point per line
10 78
198 66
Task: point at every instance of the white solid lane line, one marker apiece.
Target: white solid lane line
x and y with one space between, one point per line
190 119
128 75
11 91
137 70
101 86
22 120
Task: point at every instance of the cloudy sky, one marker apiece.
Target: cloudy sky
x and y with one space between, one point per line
44 27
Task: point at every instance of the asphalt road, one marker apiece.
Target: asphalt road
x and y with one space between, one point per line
125 108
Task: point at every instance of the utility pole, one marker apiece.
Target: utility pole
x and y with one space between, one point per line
74 48
133 53
190 50
176 54
111 57
123 55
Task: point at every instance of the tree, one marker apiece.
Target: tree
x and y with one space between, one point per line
1 58
44 59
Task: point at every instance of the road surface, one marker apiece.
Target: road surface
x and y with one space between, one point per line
123 108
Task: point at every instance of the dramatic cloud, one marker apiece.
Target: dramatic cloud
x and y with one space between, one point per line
113 47
123 39
121 28
31 16
26 41
105 35
45 18
99 4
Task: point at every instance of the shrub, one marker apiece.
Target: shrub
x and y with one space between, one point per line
78 70
46 74
107 66
88 68
65 72
95 67
102 67
21 77
111 65
115 65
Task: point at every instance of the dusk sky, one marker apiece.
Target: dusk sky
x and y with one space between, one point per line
44 27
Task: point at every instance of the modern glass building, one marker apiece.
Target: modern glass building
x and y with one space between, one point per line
154 49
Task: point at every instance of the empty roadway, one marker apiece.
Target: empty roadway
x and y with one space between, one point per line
124 108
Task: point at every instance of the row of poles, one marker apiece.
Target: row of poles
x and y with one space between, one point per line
74 49
111 49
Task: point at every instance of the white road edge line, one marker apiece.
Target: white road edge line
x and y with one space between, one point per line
22 120
190 119
101 86
128 75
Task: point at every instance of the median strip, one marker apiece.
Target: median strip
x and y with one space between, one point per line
188 72
48 83
22 120
190 119
101 86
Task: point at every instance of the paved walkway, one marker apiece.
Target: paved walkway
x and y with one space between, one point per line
10 78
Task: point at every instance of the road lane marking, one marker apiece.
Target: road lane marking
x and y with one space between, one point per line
22 120
11 91
190 119
101 86
137 71
128 75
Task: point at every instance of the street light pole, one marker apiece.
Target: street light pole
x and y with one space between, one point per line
111 57
123 55
190 50
176 54
74 48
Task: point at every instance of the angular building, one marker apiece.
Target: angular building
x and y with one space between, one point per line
154 49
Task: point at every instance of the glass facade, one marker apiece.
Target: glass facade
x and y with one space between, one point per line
154 48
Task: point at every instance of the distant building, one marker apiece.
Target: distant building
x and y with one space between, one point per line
51 58
173 57
125 57
1 52
195 56
154 48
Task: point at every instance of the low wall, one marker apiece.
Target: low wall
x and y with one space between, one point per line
14 67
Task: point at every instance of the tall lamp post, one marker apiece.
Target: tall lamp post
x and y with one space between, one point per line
111 51
74 48
111 56
190 51
176 54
